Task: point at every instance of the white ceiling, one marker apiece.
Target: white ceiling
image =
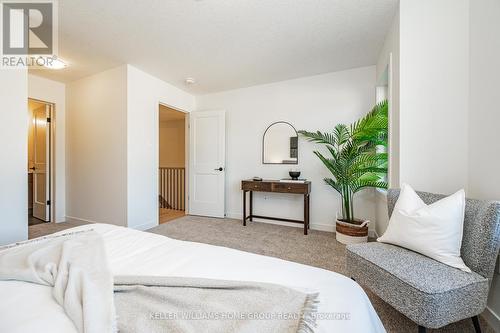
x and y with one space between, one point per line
223 44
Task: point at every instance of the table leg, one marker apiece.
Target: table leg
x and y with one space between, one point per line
244 208
305 214
251 205
308 210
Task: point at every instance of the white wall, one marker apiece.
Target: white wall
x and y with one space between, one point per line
429 46
484 115
172 139
14 147
112 145
449 79
311 103
434 94
54 92
96 147
388 60
144 93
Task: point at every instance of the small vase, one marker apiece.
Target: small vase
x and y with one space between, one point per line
294 174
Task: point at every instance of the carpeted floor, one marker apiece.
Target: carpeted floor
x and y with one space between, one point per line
43 229
319 249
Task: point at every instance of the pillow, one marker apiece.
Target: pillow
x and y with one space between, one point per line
433 230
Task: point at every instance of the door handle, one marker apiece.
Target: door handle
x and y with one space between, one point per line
219 169
33 168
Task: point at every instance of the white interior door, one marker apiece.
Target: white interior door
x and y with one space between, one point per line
207 163
41 159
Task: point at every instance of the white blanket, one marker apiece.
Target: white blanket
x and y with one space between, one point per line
343 307
75 266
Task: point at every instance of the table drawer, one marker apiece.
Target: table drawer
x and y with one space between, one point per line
290 188
256 186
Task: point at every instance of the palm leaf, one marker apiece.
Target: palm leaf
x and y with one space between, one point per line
318 137
354 161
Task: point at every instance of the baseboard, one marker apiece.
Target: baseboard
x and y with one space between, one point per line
77 219
236 216
313 226
323 227
61 219
145 226
492 318
141 227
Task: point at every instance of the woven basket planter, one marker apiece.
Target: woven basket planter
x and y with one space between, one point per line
352 232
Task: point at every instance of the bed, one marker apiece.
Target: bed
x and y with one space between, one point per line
343 307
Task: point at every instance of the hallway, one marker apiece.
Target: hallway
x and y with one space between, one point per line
167 215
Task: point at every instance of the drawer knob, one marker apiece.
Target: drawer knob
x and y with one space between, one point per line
256 186
289 188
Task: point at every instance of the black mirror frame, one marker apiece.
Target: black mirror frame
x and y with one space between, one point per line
264 137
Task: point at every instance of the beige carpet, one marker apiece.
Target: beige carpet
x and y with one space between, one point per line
318 249
49 228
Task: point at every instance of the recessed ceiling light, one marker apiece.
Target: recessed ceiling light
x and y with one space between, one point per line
55 64
190 81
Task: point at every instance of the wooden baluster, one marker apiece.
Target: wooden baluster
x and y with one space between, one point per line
178 189
175 188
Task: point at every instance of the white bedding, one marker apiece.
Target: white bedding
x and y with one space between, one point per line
26 307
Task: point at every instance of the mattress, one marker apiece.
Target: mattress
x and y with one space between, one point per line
343 307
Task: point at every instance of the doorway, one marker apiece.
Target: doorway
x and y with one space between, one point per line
172 164
39 161
207 156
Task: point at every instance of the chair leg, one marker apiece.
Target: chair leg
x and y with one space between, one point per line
475 321
421 329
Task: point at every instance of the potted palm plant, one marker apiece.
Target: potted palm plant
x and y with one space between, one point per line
358 160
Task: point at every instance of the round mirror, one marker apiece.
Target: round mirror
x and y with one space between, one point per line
280 144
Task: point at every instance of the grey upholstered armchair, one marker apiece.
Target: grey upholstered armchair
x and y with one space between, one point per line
428 292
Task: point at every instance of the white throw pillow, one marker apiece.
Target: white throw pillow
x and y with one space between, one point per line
434 230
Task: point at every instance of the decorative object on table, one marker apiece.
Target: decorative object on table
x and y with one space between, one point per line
280 144
290 180
257 179
355 164
294 174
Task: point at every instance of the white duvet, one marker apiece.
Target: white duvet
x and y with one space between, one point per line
343 307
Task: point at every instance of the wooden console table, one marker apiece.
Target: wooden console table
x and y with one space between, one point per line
275 186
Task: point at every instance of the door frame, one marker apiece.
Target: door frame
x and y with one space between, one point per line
186 150
52 157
